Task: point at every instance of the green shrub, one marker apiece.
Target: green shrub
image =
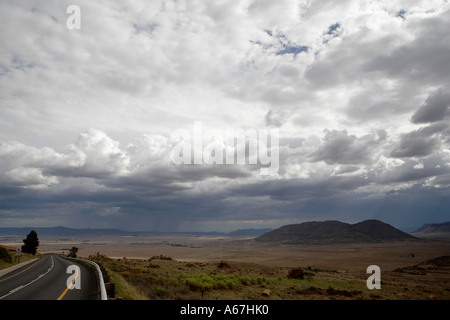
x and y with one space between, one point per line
204 282
200 282
245 281
262 280
222 281
161 292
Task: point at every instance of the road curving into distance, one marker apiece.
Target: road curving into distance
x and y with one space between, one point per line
51 278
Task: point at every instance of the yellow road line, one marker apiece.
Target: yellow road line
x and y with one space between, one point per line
21 271
72 283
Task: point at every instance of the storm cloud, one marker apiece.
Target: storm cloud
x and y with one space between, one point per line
357 91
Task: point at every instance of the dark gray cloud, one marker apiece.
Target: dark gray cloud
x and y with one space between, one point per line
424 59
341 148
440 180
421 142
435 108
301 189
415 144
413 171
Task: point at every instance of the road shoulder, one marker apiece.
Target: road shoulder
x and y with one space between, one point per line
14 267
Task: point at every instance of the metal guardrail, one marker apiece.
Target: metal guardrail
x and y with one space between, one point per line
103 294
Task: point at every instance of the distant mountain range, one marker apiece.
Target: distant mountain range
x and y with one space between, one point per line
314 232
64 231
434 228
333 232
433 231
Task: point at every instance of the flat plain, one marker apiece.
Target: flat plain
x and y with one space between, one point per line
168 266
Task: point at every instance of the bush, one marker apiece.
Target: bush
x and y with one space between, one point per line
200 282
262 280
222 281
161 292
245 280
296 273
4 255
222 264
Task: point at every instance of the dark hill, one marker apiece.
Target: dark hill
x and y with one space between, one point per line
330 232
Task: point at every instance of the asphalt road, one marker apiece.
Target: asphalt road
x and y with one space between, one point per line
47 279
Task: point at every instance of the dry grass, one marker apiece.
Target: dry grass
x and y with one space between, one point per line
230 280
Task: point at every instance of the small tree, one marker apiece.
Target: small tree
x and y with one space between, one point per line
73 252
31 243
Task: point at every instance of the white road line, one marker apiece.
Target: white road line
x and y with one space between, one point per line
24 285
16 289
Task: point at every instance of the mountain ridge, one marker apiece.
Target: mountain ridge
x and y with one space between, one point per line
434 227
434 231
65 231
333 231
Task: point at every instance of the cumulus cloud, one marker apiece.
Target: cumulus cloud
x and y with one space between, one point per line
98 154
357 90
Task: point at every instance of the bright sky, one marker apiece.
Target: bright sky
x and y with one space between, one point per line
358 92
